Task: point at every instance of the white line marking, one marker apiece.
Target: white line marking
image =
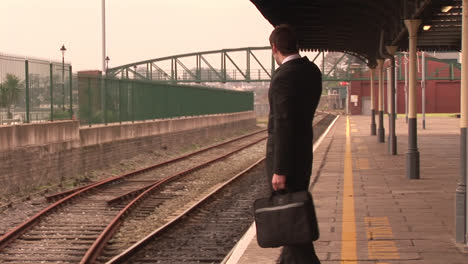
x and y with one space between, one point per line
239 249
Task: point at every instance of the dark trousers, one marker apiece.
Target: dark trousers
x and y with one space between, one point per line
303 254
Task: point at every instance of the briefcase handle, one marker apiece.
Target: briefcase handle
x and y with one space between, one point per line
279 192
282 191
285 191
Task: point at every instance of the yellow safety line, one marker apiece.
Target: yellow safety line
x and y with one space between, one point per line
348 233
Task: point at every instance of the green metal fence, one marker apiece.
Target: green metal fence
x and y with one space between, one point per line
109 100
34 90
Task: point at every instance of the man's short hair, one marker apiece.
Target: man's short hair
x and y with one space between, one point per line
285 39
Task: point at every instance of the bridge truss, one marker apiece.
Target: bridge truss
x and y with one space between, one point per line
250 64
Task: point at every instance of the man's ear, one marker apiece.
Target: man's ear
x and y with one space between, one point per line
274 49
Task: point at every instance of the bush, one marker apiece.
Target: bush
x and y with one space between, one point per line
60 114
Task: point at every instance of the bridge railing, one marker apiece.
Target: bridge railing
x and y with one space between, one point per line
206 75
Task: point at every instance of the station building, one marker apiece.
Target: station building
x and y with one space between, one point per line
442 86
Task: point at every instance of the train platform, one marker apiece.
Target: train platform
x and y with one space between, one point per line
358 187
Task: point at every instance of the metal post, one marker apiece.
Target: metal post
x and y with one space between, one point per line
51 93
172 70
63 83
347 100
224 66
120 101
105 102
90 115
452 73
248 66
26 80
395 95
400 67
198 73
133 102
147 71
381 129
323 63
392 139
200 69
461 218
103 98
103 35
372 104
406 88
71 90
175 69
423 87
412 156
388 71
151 71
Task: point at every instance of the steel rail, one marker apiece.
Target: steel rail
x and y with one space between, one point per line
93 252
56 196
136 192
65 193
122 257
190 170
138 245
237 251
11 235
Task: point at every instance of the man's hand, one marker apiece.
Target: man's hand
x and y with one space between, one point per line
278 182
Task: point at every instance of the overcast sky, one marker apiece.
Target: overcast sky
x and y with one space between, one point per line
136 29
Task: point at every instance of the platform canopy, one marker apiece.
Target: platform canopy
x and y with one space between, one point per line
355 26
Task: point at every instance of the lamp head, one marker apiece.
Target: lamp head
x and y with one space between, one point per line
63 49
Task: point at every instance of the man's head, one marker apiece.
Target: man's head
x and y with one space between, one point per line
283 42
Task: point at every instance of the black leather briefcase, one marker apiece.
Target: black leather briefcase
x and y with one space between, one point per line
286 219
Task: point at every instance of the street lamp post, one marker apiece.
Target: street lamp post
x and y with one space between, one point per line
63 49
103 34
107 64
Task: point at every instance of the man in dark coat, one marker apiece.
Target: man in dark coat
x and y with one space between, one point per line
294 94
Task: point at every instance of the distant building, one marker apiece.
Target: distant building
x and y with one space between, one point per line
90 73
336 98
442 87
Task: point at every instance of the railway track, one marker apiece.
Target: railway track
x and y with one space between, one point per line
64 231
205 231
208 230
79 228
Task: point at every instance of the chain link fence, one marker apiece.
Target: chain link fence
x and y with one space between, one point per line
35 90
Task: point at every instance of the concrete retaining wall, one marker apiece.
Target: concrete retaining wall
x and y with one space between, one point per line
33 155
102 134
18 136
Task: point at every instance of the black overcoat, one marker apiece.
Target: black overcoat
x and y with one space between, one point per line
295 90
